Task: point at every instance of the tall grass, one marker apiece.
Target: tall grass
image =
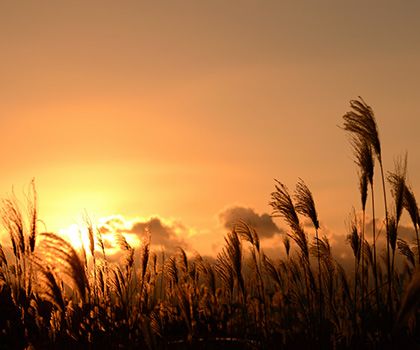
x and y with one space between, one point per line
360 122
53 296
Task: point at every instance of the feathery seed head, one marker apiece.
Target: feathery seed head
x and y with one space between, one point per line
286 243
305 204
3 260
247 232
354 239
56 249
405 250
361 122
410 204
392 231
364 159
283 206
48 285
398 185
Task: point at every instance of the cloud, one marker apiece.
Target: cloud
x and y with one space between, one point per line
341 249
263 223
166 234
405 229
169 234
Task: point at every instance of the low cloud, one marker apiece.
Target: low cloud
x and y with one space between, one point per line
165 234
169 234
263 223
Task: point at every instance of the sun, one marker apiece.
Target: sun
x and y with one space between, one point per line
76 235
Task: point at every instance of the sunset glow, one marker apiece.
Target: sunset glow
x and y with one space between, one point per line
144 110
237 174
77 236
189 119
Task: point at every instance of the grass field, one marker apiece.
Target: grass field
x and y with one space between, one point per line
54 296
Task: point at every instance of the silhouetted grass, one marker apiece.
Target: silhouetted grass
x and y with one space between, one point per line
51 296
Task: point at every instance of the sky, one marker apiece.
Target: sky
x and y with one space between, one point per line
180 114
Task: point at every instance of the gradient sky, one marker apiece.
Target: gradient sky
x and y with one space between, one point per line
182 109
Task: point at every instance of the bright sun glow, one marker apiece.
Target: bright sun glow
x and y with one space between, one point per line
77 235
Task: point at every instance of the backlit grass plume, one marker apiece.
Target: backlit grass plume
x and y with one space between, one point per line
59 253
361 121
283 207
410 204
305 204
247 232
365 160
48 284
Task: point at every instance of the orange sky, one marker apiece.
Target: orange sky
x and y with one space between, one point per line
181 109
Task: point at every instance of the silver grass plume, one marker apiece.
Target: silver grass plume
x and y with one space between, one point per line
272 270
33 215
392 233
121 241
129 257
83 250
368 254
364 159
3 260
353 238
206 270
48 286
248 232
406 251
361 122
91 236
101 279
225 271
397 181
294 266
344 284
410 204
234 253
171 272
128 263
321 248
182 260
12 220
99 239
154 261
286 243
145 254
117 281
59 252
304 203
283 207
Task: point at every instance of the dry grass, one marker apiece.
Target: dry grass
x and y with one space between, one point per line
52 296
